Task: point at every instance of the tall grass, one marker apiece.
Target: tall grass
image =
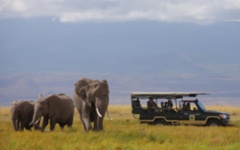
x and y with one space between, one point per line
120 133
233 111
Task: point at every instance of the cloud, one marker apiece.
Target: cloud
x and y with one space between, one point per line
198 11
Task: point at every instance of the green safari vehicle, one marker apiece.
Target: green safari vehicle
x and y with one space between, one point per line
175 108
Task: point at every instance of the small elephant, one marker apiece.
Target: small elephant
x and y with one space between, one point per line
21 114
56 108
91 98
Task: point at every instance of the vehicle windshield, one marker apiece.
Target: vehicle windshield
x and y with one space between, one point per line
201 106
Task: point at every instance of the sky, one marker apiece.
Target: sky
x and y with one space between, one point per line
143 45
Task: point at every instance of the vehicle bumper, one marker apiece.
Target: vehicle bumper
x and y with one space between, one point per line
225 122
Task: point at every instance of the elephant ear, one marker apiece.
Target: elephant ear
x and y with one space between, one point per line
100 88
52 104
14 102
82 89
105 86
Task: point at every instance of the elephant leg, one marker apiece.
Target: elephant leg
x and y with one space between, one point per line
98 124
70 122
28 128
37 125
61 125
26 124
52 124
85 116
22 125
19 127
45 123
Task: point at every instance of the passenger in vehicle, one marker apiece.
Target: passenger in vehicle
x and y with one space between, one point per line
152 106
186 107
136 104
166 105
169 104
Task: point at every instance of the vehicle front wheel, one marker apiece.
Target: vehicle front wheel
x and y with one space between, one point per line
213 123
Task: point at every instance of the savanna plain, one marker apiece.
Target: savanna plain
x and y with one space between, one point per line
123 132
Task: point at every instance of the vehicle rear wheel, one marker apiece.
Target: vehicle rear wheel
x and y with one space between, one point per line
213 123
160 122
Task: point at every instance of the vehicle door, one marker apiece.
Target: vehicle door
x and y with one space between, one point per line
190 114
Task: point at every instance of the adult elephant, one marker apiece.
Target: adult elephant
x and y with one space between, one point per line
56 108
21 114
91 98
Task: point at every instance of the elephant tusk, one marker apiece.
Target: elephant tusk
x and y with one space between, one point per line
31 123
40 97
37 121
98 112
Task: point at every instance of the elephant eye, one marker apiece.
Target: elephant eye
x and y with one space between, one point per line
105 95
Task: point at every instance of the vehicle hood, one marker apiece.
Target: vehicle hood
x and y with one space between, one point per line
217 112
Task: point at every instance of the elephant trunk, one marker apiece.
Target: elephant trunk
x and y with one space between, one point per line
36 118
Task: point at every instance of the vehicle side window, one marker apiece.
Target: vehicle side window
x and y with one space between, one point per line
190 106
193 107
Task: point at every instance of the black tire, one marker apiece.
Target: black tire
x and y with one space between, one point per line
160 122
213 123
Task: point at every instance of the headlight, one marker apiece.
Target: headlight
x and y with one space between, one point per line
224 116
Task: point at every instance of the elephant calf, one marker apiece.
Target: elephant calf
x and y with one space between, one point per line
56 108
21 114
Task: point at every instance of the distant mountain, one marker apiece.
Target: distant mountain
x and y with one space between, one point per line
28 86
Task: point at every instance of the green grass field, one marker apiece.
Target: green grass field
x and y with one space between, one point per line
123 133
